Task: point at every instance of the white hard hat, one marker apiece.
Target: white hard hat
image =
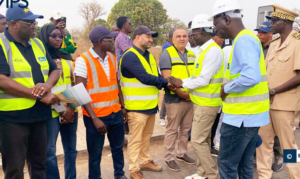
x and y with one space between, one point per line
56 15
201 21
221 6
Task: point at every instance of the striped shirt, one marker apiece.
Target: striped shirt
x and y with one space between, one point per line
80 65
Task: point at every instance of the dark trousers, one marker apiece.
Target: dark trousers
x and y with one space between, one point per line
214 129
95 141
68 139
276 147
20 142
236 151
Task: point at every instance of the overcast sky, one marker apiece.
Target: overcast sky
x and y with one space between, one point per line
184 10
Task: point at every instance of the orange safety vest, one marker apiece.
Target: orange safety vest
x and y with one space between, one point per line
104 93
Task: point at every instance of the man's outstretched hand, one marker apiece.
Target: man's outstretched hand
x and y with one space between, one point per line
176 82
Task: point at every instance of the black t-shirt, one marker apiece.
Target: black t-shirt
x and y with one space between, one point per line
40 111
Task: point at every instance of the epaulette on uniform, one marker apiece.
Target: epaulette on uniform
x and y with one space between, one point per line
276 38
297 35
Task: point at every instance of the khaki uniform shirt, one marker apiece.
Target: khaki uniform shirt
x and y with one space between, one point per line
283 62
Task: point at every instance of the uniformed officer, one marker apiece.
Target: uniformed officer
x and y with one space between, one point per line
283 70
265 35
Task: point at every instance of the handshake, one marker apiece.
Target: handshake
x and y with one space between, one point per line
174 83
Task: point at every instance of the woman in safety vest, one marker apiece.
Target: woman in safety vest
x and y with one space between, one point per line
64 122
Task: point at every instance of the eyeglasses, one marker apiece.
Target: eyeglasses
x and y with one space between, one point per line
34 24
193 35
273 20
55 35
108 40
214 26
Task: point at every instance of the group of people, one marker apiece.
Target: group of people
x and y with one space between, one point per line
232 99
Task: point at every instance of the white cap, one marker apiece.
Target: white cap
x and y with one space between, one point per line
201 21
227 6
56 15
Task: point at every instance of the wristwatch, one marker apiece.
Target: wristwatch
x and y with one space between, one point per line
272 92
39 97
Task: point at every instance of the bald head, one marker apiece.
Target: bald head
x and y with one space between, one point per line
115 28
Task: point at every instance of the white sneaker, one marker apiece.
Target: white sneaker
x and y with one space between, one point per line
162 122
195 176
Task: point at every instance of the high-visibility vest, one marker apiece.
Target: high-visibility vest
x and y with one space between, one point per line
63 83
103 92
208 95
20 71
254 100
138 96
179 68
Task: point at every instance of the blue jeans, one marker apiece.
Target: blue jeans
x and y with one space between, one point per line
95 141
236 151
68 138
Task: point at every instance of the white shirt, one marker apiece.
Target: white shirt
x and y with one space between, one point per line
227 52
80 65
195 50
211 65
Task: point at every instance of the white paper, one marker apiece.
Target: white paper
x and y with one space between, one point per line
82 94
59 108
79 94
227 42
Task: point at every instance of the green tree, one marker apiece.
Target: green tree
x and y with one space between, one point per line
170 24
150 13
38 28
99 22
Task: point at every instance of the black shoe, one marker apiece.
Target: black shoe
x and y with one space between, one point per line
214 152
172 165
186 160
278 164
123 177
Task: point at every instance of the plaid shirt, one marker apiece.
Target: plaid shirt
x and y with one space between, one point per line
122 43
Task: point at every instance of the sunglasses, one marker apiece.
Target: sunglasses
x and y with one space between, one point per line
34 24
55 35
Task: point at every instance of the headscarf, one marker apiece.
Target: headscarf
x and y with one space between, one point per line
44 37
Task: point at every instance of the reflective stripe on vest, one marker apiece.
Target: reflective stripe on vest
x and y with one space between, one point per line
254 100
105 104
264 78
63 83
20 71
208 95
212 81
181 69
98 89
104 92
138 96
